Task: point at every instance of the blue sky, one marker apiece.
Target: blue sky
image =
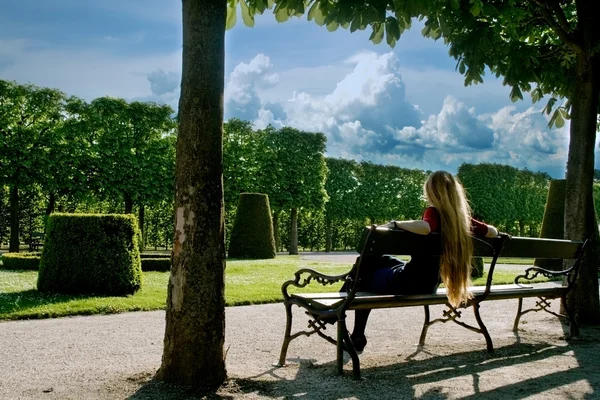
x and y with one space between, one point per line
405 106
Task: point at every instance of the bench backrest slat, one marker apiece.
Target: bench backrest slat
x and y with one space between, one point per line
398 242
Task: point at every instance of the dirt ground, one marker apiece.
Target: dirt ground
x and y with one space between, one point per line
116 356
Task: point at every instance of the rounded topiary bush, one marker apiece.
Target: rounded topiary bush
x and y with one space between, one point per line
90 254
21 261
252 232
554 219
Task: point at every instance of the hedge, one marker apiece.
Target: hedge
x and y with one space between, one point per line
252 232
161 264
21 261
90 254
154 255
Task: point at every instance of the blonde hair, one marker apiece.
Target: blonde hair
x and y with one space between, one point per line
447 195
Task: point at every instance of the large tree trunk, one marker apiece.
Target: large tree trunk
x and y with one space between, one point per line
141 212
294 232
195 317
14 220
579 202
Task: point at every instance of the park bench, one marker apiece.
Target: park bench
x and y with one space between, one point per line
36 240
332 306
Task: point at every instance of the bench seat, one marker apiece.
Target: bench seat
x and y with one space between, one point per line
369 300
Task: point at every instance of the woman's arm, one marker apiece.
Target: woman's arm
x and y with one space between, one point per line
419 227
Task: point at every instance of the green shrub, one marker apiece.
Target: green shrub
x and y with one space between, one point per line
156 264
154 255
90 254
16 261
476 267
252 232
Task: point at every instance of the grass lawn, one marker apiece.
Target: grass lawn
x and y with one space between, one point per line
247 282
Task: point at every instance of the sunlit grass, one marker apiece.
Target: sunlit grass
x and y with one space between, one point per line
247 282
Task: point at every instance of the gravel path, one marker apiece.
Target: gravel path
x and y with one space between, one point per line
115 357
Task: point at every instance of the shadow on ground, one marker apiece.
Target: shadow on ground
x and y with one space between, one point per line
400 378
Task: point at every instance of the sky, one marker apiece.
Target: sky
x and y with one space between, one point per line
406 106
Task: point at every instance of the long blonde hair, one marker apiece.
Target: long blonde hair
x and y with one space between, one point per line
447 195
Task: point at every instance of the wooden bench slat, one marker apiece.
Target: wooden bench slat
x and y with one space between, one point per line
374 300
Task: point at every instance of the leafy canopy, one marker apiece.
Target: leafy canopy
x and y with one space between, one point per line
527 42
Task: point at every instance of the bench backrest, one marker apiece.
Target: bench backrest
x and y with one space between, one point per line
398 242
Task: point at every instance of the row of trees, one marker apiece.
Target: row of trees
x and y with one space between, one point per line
80 156
113 156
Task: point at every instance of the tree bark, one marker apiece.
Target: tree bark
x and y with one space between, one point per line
14 220
195 316
294 232
328 241
128 203
276 230
579 202
51 204
141 212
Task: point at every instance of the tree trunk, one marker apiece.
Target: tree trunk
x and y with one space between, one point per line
51 204
294 232
328 241
579 202
128 203
141 212
521 228
276 230
195 316
14 220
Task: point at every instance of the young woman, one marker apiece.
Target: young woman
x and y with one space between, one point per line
450 215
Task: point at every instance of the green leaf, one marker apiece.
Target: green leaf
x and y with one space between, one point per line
536 95
557 119
246 17
549 106
475 8
377 34
281 14
316 14
332 26
231 14
515 94
392 31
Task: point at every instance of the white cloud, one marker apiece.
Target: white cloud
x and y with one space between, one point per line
366 116
162 82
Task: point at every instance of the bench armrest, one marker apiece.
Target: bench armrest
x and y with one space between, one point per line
533 272
304 276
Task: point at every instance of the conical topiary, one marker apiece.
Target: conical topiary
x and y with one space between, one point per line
476 267
553 223
252 232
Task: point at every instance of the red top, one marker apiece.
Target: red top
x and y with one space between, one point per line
432 217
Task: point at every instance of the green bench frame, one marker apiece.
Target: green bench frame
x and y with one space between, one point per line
321 307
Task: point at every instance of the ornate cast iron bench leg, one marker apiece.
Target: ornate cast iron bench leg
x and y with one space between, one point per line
518 317
287 337
343 340
425 327
484 331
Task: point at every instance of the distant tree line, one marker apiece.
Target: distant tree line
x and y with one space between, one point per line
109 155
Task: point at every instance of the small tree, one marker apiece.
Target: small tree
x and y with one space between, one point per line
252 233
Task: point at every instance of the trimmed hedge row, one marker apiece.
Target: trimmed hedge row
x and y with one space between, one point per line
21 261
161 264
91 254
154 255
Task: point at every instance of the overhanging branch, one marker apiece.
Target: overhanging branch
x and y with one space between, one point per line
564 35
